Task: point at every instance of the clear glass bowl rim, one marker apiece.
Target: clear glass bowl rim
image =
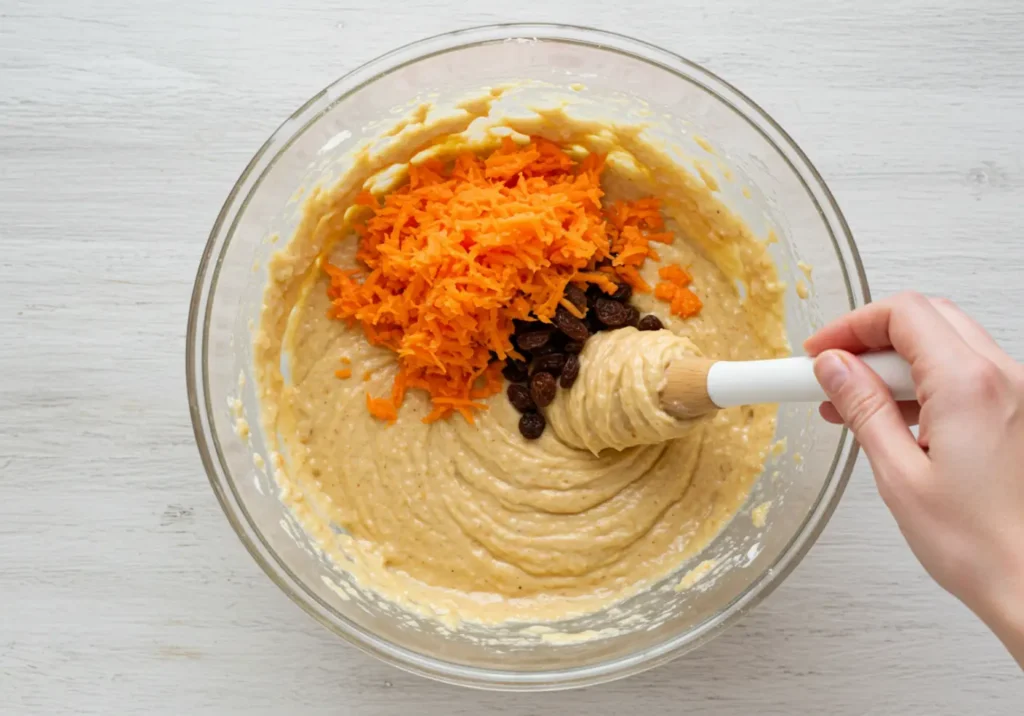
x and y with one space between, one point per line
197 341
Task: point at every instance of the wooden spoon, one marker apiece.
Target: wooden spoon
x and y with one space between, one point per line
696 386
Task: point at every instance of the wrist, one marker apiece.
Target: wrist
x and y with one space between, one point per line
1001 607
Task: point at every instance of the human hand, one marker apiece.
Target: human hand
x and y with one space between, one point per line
957 490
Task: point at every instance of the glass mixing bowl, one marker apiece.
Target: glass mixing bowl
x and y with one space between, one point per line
763 176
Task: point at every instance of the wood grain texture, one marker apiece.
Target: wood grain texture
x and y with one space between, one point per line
684 393
122 127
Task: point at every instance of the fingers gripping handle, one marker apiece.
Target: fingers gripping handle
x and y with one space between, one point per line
791 380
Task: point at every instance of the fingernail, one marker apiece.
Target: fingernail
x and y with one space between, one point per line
831 371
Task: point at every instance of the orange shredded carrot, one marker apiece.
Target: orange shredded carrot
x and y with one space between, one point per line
675 274
491 383
346 360
381 408
665 291
367 375
631 276
601 279
634 225
571 308
450 259
343 373
686 303
674 289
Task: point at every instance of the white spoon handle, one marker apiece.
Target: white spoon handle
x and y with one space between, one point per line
791 380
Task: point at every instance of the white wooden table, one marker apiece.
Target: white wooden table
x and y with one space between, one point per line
123 126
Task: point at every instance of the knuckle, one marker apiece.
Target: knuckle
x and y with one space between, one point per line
983 378
1015 380
1018 381
1017 374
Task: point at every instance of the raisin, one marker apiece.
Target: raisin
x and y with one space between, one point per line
594 323
611 313
546 349
576 296
531 425
573 347
515 371
623 293
519 396
634 316
650 323
551 363
534 339
570 372
542 389
571 326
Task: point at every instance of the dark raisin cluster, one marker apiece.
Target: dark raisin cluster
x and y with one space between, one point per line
551 350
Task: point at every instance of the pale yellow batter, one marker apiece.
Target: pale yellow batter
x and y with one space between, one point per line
473 520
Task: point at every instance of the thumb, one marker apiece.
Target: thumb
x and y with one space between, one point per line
868 409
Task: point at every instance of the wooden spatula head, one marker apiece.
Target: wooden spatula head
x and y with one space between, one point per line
684 394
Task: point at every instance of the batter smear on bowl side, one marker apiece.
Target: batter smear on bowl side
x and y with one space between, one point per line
458 360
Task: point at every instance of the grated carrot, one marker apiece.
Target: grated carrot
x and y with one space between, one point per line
343 373
449 260
674 289
381 408
571 308
675 274
665 291
686 303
